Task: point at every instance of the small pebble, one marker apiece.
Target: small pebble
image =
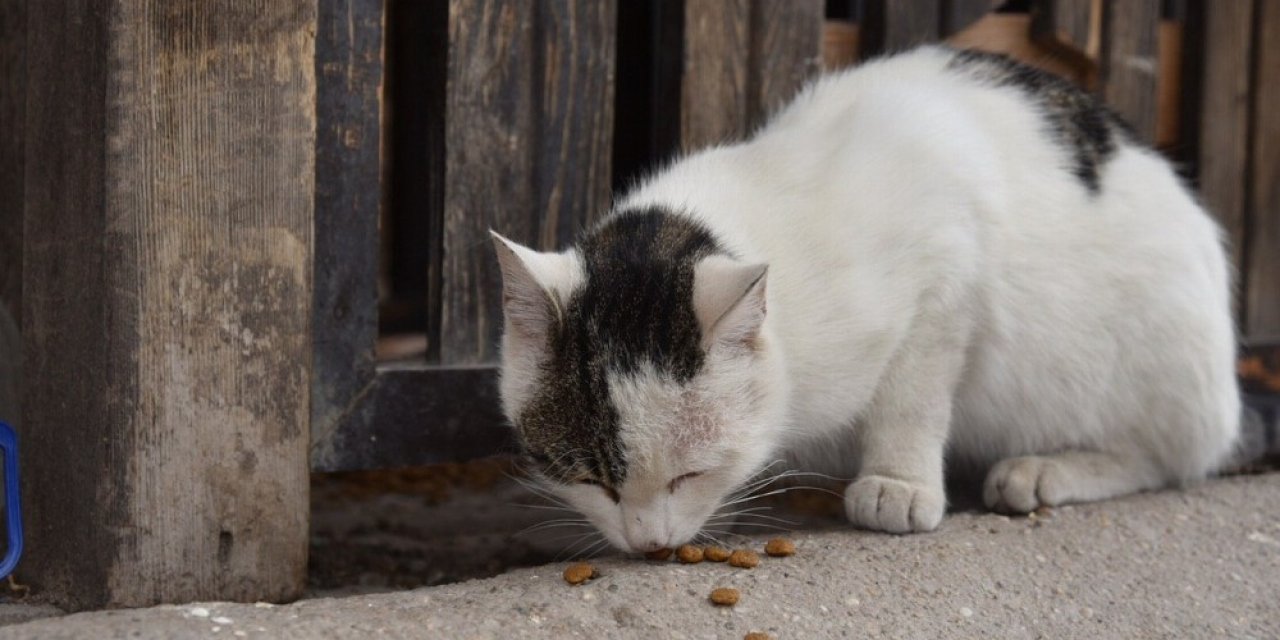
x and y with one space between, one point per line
966 612
744 559
222 620
780 548
689 554
716 554
659 555
579 573
725 596
200 612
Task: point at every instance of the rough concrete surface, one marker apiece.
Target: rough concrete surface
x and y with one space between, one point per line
1199 563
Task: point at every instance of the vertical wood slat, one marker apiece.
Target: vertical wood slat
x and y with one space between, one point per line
1224 118
1262 272
170 146
13 97
1129 63
529 101
1070 25
348 69
908 23
742 59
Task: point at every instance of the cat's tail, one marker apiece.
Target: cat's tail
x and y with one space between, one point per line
1259 433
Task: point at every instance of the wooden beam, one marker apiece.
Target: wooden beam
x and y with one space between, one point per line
412 416
167 306
13 98
1224 118
742 60
348 192
1262 276
1129 63
528 127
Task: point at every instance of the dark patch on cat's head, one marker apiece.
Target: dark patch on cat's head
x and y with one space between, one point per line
635 309
1082 124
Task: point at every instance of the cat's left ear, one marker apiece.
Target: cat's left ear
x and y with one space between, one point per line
529 281
729 301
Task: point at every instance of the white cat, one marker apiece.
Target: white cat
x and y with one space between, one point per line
965 259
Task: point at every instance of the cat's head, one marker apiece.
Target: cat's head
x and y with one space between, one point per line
639 372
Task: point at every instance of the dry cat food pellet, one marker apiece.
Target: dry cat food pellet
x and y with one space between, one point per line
689 554
744 559
780 548
725 596
716 554
579 573
660 554
757 635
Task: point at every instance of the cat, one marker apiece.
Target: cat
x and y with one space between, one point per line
936 257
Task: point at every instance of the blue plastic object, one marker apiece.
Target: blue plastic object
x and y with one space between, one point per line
12 500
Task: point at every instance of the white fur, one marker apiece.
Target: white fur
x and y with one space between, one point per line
939 285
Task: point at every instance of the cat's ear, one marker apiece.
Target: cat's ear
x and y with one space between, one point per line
729 301
528 277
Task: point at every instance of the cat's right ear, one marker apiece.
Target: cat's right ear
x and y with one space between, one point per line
528 304
729 301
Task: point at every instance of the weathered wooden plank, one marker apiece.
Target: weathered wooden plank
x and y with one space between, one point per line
1072 26
1223 139
529 122
908 23
714 106
960 14
786 45
574 147
13 98
1129 63
417 416
348 69
167 304
743 59
1262 278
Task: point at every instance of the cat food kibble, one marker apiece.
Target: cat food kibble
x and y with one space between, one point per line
757 635
689 554
579 573
725 596
780 548
659 555
716 554
744 559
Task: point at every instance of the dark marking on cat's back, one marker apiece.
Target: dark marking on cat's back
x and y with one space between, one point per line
634 309
1081 123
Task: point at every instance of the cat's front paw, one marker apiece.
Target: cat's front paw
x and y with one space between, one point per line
896 506
1021 485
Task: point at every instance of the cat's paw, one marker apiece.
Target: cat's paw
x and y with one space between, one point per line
1021 485
895 506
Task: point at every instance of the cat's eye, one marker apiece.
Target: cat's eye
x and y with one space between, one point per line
675 484
609 491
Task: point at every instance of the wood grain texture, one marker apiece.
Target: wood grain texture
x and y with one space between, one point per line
742 60
418 416
348 69
1262 273
714 106
1071 26
13 98
168 306
529 121
960 14
1129 63
1224 118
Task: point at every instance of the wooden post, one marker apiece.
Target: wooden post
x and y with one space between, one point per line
1262 276
13 97
742 59
528 130
167 299
1129 63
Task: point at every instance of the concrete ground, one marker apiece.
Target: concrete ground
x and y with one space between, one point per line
1199 563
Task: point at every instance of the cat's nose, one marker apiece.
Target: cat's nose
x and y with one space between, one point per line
650 546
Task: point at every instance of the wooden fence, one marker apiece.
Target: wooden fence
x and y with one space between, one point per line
222 220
